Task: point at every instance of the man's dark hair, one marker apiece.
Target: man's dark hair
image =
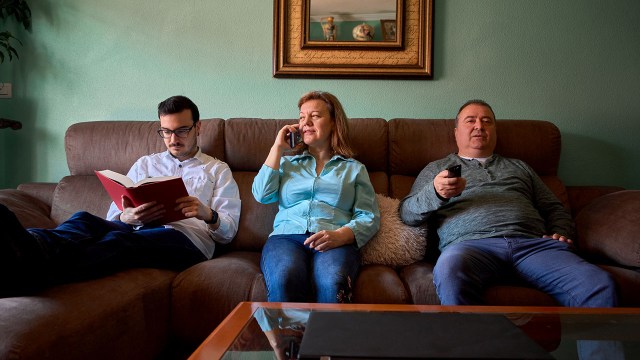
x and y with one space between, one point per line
177 104
474 102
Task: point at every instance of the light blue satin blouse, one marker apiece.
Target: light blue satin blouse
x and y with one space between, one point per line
342 195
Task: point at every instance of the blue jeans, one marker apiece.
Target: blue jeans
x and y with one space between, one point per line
295 273
88 246
465 269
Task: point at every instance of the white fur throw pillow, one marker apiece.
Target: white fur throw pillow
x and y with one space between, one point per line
395 244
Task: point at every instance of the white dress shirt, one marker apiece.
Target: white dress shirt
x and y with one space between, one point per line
206 178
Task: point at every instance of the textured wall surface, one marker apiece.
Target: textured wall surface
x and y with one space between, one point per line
575 64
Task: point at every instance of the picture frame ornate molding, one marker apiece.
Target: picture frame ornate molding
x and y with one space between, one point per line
412 60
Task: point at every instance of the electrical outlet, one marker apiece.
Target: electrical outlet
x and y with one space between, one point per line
5 91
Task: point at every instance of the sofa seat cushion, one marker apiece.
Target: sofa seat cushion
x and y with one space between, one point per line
418 278
517 294
379 284
205 294
122 316
628 283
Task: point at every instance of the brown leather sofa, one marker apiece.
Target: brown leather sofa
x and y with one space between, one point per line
150 313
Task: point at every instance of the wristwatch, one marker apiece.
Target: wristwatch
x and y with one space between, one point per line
214 217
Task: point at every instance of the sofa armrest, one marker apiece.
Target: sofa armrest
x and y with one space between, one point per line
30 211
608 228
581 196
40 190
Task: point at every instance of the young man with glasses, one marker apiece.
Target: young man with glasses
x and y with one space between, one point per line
88 246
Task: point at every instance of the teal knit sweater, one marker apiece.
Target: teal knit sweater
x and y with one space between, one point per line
503 197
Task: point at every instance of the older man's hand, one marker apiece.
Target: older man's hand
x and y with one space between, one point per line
448 187
559 238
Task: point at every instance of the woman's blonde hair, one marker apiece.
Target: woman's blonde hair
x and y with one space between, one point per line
340 140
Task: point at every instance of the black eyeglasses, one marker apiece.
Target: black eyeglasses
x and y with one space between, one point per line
181 133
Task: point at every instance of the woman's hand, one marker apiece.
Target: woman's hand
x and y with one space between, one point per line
282 139
328 239
280 145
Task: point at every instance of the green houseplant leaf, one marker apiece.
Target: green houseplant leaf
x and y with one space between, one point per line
18 10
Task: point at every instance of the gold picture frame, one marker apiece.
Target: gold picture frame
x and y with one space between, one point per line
412 60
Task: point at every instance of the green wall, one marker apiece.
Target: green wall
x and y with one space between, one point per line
573 63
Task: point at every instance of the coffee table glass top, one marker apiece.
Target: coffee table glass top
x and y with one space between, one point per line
276 330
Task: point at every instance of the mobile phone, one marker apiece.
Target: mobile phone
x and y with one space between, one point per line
455 171
295 138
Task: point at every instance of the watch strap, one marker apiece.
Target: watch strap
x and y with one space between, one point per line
214 217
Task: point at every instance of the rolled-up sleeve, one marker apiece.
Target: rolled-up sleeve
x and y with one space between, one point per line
265 185
226 202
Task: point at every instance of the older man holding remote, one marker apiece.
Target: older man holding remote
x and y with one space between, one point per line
499 219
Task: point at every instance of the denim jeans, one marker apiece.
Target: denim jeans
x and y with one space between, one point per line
465 269
295 273
88 246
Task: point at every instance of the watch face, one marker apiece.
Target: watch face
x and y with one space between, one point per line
214 217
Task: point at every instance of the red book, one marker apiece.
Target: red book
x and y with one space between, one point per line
165 190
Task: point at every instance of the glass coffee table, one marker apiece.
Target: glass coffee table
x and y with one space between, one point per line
260 330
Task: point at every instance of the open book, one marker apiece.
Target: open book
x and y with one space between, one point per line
165 190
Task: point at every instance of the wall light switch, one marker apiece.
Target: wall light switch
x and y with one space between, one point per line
5 91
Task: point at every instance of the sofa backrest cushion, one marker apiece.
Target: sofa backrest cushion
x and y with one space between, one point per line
247 141
256 220
116 145
370 137
538 143
413 143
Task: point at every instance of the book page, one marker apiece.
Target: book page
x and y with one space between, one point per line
127 182
154 180
119 178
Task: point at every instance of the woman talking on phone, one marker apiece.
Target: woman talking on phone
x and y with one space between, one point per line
327 207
